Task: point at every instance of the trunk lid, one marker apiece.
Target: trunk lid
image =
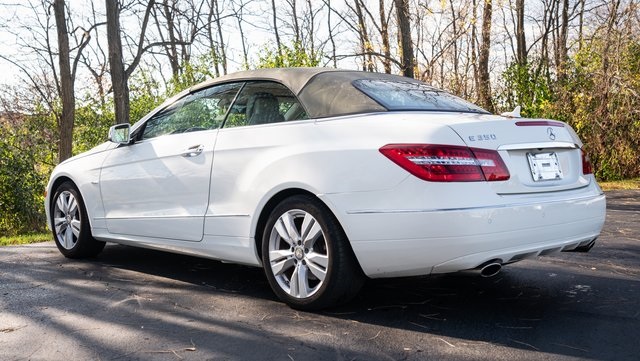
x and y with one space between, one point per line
541 155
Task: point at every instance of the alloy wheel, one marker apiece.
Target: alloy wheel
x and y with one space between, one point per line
66 220
298 253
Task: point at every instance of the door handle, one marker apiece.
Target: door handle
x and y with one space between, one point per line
193 151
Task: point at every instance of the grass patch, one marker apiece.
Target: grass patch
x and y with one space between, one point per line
25 239
623 184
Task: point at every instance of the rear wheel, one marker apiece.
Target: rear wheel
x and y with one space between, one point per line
307 257
70 224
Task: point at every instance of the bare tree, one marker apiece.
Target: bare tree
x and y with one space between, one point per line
474 42
561 43
580 23
119 74
50 67
212 36
171 48
275 27
404 38
547 20
223 55
521 41
119 78
96 62
363 35
293 14
309 30
384 34
606 57
238 12
66 83
380 23
484 81
455 56
330 31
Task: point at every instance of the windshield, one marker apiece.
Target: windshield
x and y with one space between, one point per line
405 95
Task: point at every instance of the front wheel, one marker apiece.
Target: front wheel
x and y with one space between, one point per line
307 257
70 224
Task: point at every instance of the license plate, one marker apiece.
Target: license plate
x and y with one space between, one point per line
544 166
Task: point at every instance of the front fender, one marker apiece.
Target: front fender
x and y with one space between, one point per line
84 171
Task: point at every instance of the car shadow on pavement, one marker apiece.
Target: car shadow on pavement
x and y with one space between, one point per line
553 306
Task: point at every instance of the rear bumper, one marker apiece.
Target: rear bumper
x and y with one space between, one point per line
392 243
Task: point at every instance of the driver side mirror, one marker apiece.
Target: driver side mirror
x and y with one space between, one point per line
120 133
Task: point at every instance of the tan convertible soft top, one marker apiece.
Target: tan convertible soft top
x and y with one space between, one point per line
293 78
324 92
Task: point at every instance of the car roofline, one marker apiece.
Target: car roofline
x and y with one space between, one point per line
293 78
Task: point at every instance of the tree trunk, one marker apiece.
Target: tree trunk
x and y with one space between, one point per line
119 81
484 84
474 42
245 55
384 34
310 30
331 39
562 42
606 61
404 38
296 26
580 24
275 28
365 42
521 42
65 125
456 61
547 21
172 51
223 52
212 42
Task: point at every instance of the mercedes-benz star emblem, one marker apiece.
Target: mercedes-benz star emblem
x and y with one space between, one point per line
552 135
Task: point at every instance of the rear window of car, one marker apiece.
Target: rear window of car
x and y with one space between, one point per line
405 95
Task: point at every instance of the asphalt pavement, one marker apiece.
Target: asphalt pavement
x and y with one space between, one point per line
135 304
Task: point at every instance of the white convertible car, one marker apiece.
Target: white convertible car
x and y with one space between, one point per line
324 177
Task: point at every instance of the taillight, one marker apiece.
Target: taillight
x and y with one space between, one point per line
491 164
448 163
586 163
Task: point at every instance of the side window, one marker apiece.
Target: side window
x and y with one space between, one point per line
263 102
202 110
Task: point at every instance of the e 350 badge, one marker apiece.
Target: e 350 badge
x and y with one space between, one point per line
482 137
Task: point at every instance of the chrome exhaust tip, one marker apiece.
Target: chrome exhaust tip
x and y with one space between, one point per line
490 270
487 269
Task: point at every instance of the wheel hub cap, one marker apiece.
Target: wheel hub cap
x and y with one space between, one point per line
299 253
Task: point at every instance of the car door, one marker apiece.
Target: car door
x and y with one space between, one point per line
261 125
159 185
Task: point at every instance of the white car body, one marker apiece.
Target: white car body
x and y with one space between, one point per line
154 194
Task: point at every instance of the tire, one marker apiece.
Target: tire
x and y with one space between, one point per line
70 224
307 257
